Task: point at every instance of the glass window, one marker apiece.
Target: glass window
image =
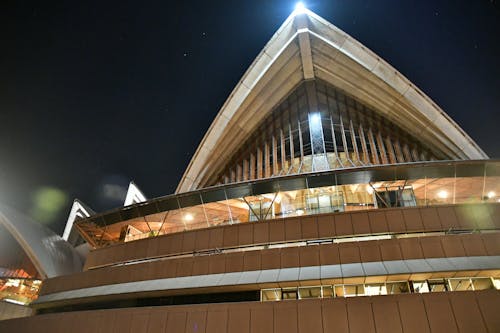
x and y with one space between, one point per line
482 283
460 284
310 292
339 291
270 294
293 203
261 207
289 293
440 191
396 197
327 291
354 290
219 212
325 200
437 285
496 283
375 289
397 287
420 286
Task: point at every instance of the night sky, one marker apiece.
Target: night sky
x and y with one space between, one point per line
95 94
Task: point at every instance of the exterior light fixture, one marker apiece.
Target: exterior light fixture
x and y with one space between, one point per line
442 194
188 217
491 194
315 118
300 8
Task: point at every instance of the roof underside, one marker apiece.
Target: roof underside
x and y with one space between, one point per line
306 47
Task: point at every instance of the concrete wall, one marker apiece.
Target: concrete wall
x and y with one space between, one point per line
448 312
9 310
471 245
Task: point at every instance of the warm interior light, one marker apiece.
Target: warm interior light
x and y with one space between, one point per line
299 212
442 194
491 194
188 217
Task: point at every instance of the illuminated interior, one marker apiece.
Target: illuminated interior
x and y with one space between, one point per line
19 291
196 210
317 128
383 288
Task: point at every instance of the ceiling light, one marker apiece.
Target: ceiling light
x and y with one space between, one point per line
188 217
442 194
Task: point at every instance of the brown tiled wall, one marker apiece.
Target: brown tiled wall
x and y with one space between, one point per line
448 312
398 220
487 244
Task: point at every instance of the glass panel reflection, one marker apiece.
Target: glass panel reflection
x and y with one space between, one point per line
382 288
19 291
424 188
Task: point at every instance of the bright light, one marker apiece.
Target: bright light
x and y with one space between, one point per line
299 212
315 118
442 194
369 189
299 7
491 194
13 301
188 217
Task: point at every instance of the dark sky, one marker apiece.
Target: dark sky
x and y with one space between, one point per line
95 94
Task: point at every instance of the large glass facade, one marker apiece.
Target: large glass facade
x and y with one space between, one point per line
318 128
383 288
362 188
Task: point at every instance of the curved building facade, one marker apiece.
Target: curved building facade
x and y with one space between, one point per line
329 194
29 253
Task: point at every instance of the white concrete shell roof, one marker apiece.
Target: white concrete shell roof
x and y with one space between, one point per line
307 47
50 254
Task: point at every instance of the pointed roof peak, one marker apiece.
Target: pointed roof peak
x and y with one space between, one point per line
308 47
78 210
134 195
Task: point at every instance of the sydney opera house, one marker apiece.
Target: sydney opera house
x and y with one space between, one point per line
329 194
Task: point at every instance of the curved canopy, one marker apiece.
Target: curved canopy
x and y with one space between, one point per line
50 254
307 47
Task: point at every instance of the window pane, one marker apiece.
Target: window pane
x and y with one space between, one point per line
354 290
496 282
460 284
437 285
482 284
397 288
327 291
310 292
289 293
420 287
271 294
375 289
